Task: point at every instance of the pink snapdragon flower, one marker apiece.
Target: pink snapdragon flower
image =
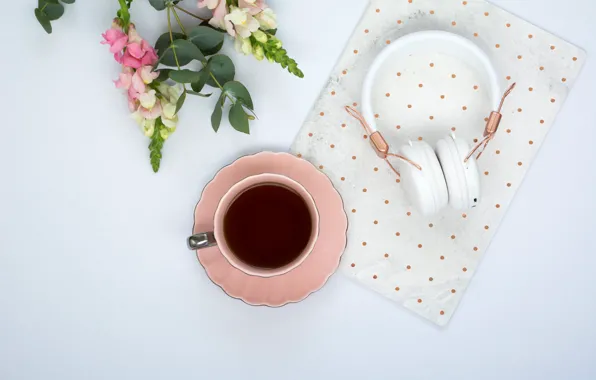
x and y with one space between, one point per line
117 40
138 51
135 83
253 6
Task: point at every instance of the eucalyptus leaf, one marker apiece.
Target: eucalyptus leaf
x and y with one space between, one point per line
184 76
199 84
52 10
239 119
43 20
222 67
209 40
180 101
239 92
163 43
199 94
164 74
216 117
159 5
185 51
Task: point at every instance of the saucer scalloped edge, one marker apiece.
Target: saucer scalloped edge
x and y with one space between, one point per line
314 272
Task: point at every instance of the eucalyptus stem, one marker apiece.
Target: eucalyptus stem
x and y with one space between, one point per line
179 22
221 87
189 13
172 38
172 8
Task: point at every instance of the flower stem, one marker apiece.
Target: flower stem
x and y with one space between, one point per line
172 42
184 31
172 39
221 87
189 13
179 22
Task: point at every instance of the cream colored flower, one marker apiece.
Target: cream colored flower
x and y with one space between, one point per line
169 117
267 19
244 23
260 36
148 99
166 132
243 45
259 53
148 127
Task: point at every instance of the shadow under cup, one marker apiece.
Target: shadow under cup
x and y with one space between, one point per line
266 225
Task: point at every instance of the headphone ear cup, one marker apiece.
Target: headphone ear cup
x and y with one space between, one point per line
425 188
462 178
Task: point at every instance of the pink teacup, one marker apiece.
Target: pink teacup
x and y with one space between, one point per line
217 236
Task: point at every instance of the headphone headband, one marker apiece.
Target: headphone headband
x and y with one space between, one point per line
433 42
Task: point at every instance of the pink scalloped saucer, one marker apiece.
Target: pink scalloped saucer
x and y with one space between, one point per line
313 273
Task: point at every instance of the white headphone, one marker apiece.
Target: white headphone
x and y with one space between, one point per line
447 174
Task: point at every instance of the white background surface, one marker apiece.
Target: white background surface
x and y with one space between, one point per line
96 281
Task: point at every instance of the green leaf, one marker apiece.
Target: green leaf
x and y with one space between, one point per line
239 119
185 51
180 101
216 117
164 74
43 20
156 145
199 84
222 67
51 8
68 1
209 40
239 92
199 94
159 5
163 42
184 76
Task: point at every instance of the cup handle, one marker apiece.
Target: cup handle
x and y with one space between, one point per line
201 240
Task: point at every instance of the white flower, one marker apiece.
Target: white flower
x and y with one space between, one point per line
259 53
166 132
174 93
260 36
148 127
148 99
170 93
169 110
267 19
138 117
169 117
244 23
243 45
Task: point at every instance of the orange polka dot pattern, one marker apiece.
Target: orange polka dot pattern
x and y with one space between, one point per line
391 247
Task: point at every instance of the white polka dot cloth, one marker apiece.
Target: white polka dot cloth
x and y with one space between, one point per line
426 263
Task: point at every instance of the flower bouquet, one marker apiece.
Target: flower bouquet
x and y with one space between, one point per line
155 78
